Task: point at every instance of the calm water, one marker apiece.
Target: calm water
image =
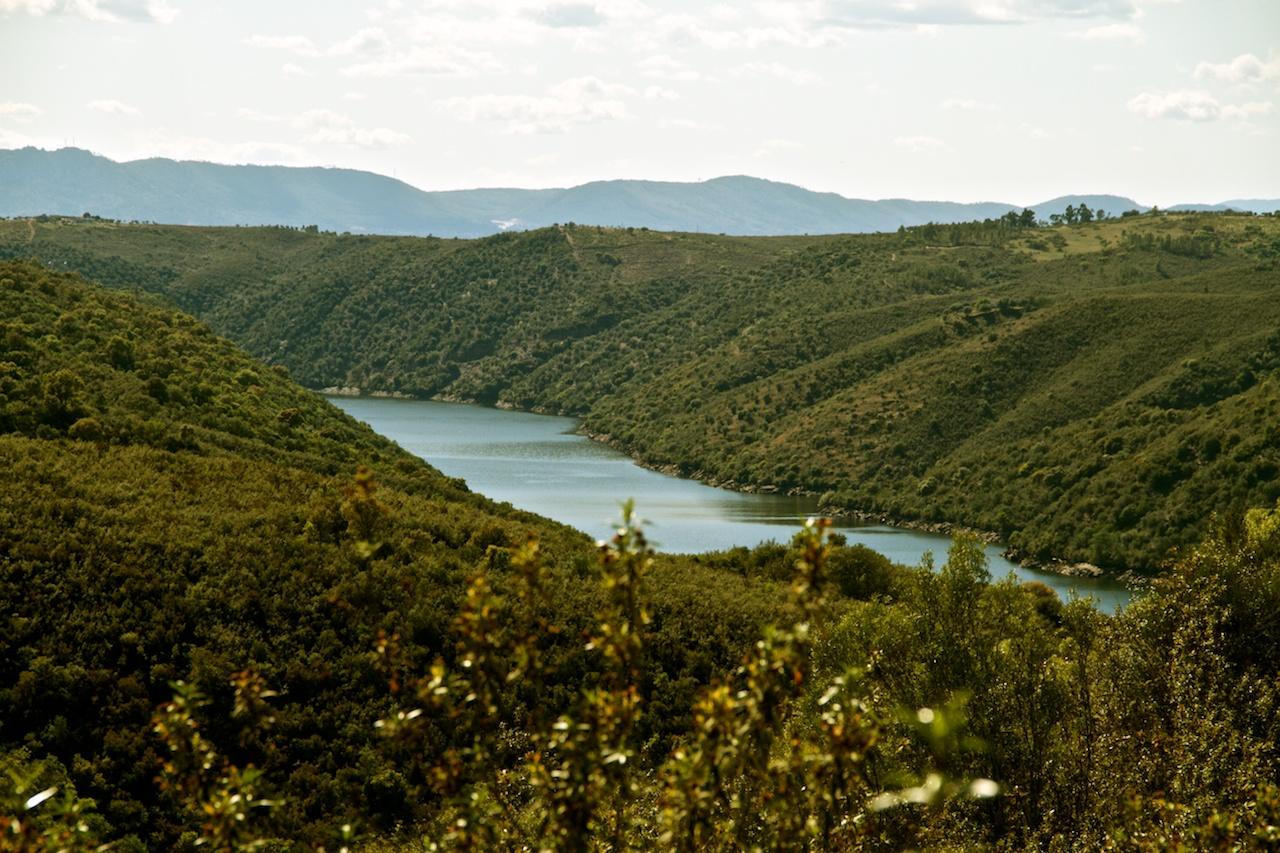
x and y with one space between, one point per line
537 463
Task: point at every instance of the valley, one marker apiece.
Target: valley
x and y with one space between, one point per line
1079 392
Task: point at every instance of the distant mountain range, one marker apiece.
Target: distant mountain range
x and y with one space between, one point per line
74 181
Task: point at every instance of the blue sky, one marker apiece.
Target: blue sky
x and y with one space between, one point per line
1013 100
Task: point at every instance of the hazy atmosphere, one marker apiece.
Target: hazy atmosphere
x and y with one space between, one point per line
1016 100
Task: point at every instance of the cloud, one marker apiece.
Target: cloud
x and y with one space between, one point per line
1246 111
799 76
683 124
110 106
20 112
773 146
438 61
660 93
569 15
1113 32
919 143
30 7
108 11
181 147
1245 68
871 14
359 137
578 101
300 45
663 67
1193 105
331 128
365 41
289 69
968 105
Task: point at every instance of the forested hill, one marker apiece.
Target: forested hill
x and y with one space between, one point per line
1085 392
72 181
213 631
174 510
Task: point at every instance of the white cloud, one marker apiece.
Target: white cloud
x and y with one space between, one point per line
438 61
1193 105
968 105
799 76
683 124
569 15
359 137
663 67
578 101
1245 68
660 93
919 143
773 146
365 41
107 11
1114 32
30 7
300 45
1249 110
289 69
181 147
1186 104
329 127
16 111
161 12
865 14
110 106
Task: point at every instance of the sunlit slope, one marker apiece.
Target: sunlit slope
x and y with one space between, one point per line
1084 391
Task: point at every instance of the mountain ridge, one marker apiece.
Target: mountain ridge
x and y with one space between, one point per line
72 181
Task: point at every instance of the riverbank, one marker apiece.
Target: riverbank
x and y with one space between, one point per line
1055 565
1060 567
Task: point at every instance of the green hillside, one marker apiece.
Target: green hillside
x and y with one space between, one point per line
1084 391
173 509
382 653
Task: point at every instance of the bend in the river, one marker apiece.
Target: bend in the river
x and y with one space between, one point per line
540 464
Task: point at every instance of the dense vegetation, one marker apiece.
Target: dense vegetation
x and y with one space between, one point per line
214 625
174 510
1082 391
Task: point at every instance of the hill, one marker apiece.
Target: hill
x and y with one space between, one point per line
1083 392
1255 205
1113 205
173 510
72 181
215 635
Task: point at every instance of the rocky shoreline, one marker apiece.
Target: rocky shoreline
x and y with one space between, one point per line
353 391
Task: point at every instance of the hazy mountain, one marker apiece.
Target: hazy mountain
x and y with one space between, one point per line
1114 205
1255 205
74 181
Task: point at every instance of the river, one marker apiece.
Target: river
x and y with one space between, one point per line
540 464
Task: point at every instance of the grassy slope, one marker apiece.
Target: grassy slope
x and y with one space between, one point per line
1083 393
173 509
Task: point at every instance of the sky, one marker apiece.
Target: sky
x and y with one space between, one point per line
1164 101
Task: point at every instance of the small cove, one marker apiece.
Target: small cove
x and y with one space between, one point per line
540 464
